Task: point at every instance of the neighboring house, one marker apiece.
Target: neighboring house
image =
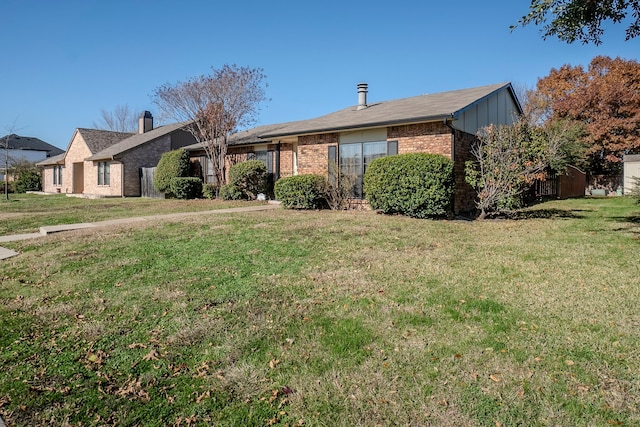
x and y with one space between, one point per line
24 149
107 164
443 123
631 172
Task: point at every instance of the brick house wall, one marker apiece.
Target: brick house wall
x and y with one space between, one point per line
73 172
313 153
434 138
465 195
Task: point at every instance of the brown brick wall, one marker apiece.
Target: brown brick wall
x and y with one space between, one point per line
434 138
313 151
465 195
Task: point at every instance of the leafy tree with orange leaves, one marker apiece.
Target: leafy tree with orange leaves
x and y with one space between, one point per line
605 99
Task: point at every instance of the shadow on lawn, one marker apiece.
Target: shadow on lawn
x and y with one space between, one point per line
543 214
631 222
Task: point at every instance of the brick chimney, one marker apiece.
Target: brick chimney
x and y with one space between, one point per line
362 96
145 122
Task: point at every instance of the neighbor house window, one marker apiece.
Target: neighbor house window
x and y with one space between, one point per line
103 173
354 158
57 175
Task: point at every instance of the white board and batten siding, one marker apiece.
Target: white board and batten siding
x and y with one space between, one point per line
499 108
631 171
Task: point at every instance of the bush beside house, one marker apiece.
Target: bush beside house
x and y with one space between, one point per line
301 191
418 185
249 178
186 187
173 164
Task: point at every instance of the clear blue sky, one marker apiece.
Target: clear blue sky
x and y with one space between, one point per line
63 61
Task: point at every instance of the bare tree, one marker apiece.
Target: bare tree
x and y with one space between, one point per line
121 119
213 107
6 160
508 159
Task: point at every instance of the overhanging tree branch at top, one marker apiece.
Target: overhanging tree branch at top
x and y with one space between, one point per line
581 20
214 106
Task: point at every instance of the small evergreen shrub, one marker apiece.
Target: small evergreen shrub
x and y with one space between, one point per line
249 177
173 164
418 185
301 191
186 187
29 180
209 191
230 192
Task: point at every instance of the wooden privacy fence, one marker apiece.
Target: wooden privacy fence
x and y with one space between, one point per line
572 183
147 189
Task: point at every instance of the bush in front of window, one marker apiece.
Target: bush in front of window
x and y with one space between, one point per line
231 192
186 187
209 191
301 191
29 180
249 177
418 185
173 164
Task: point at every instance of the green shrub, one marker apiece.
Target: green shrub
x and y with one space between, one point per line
186 187
29 180
301 192
209 191
249 177
173 164
230 192
9 187
418 185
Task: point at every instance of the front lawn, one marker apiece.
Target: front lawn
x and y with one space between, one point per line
328 319
25 213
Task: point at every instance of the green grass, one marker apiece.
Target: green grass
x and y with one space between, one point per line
328 318
25 213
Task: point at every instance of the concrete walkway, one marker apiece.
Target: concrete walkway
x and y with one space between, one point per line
46 230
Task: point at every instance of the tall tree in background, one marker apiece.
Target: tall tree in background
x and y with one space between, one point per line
214 106
581 20
605 99
121 119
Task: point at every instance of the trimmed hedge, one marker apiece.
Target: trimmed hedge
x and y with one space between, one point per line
249 177
230 192
418 185
301 192
186 187
173 164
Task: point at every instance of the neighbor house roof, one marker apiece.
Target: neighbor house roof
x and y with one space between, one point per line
17 142
437 106
631 158
134 141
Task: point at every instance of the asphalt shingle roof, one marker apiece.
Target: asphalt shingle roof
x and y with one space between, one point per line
133 141
17 142
399 111
97 140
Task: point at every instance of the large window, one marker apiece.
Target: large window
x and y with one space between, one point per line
57 175
104 172
265 157
354 158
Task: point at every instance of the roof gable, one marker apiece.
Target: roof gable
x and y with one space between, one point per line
97 140
135 140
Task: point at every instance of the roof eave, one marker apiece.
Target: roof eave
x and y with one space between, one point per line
385 123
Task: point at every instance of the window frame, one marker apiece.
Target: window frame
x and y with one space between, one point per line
391 148
104 174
